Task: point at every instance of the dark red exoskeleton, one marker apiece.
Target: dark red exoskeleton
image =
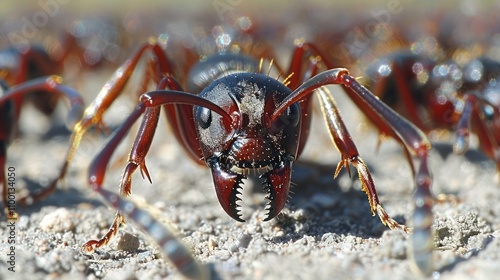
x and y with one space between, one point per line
439 90
443 96
30 73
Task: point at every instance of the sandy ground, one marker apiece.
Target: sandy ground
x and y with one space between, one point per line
325 232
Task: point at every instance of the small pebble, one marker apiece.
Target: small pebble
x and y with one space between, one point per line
127 242
23 223
211 244
57 221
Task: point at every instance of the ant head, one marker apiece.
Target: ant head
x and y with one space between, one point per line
251 143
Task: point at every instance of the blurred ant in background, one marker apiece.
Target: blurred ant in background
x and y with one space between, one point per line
29 73
442 76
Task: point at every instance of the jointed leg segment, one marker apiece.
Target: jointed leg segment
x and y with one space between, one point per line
163 236
414 140
349 155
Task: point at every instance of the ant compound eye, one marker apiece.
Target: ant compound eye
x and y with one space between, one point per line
292 114
204 117
289 118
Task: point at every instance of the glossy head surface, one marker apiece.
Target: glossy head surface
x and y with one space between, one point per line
251 144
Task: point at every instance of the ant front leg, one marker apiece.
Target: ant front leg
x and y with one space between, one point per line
149 105
349 155
137 155
144 139
415 142
100 163
50 85
140 149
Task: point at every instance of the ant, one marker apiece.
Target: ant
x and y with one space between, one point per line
443 88
232 117
443 96
8 118
33 72
25 62
441 82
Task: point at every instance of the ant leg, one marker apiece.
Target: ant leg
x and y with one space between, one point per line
417 143
349 155
163 235
373 116
111 90
149 123
404 92
97 172
91 245
296 67
160 234
139 150
414 140
147 77
145 136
